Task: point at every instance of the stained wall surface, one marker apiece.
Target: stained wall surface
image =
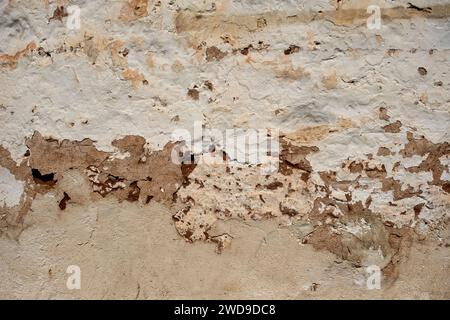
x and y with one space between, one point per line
116 148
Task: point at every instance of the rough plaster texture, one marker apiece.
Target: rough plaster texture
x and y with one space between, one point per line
87 175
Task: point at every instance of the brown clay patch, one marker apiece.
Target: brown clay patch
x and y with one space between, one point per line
11 61
330 80
134 76
136 176
293 156
63 203
59 13
194 94
393 127
134 10
421 147
213 53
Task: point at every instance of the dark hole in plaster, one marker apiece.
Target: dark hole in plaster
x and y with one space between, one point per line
425 9
292 49
43 178
63 202
133 194
422 71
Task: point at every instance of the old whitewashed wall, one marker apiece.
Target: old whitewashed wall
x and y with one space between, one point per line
94 93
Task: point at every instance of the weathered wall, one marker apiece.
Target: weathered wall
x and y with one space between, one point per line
87 129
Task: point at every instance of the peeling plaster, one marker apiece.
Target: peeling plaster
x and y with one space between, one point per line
363 121
11 190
